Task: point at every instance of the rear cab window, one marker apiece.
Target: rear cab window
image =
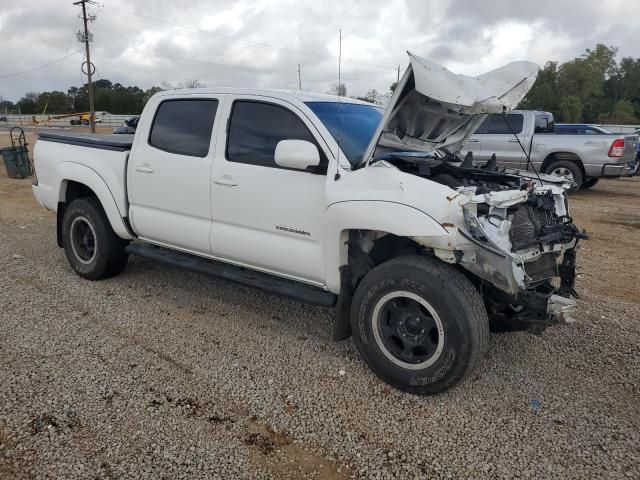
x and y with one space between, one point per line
184 127
544 123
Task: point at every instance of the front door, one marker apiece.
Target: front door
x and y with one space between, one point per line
265 216
169 174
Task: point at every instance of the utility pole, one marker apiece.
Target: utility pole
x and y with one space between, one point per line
398 80
85 38
299 79
339 62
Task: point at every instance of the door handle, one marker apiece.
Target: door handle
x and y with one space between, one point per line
144 168
473 140
513 140
226 180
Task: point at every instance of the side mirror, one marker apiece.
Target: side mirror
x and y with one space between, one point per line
298 154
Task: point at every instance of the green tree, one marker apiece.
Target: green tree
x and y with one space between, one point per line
6 105
151 92
570 109
372 96
623 113
53 102
339 89
543 95
29 103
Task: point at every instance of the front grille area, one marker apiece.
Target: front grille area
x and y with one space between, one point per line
544 267
527 226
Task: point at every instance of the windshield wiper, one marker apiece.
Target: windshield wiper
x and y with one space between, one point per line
392 155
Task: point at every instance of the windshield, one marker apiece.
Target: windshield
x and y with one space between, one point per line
351 124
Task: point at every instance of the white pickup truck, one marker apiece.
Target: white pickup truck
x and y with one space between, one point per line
527 139
336 202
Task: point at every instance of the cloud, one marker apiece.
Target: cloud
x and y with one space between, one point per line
261 42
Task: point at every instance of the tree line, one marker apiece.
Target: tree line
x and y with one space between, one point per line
111 97
593 88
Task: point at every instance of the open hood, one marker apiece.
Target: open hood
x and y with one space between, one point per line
434 108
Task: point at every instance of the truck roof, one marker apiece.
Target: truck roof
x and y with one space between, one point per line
285 94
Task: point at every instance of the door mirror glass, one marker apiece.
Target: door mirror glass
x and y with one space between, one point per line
298 154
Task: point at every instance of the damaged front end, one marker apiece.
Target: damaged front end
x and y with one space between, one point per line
510 230
521 245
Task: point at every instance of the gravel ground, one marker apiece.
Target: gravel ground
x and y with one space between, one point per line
161 373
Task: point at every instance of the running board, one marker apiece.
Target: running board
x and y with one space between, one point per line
243 276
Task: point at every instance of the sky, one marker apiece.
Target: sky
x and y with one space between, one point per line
260 43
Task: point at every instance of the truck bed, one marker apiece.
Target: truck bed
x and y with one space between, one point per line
119 143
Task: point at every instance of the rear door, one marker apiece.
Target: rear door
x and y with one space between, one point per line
169 174
265 216
498 138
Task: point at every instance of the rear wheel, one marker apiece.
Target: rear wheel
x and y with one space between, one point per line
588 183
567 169
92 248
419 324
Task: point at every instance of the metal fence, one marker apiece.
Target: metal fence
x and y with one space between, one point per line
111 120
107 120
621 128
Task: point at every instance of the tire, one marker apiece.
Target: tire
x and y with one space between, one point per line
451 328
569 169
92 248
589 182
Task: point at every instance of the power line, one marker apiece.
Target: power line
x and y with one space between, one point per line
196 31
224 65
190 60
39 66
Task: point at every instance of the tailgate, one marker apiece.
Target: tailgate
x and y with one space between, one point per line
630 147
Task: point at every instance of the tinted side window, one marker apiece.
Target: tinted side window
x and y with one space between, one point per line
546 124
184 126
483 126
256 128
496 124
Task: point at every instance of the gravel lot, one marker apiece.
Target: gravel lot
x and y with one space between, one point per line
161 373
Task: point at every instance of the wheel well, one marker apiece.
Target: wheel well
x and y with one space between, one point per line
369 248
567 156
73 190
76 190
390 246
366 249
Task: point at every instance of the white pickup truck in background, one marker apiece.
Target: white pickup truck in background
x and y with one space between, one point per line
581 158
332 201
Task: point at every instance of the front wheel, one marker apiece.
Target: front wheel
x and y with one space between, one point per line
419 324
90 244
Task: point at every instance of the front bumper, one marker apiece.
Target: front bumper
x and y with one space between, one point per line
561 309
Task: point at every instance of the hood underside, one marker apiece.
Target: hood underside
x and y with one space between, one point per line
434 108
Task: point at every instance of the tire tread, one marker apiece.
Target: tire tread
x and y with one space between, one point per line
447 275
